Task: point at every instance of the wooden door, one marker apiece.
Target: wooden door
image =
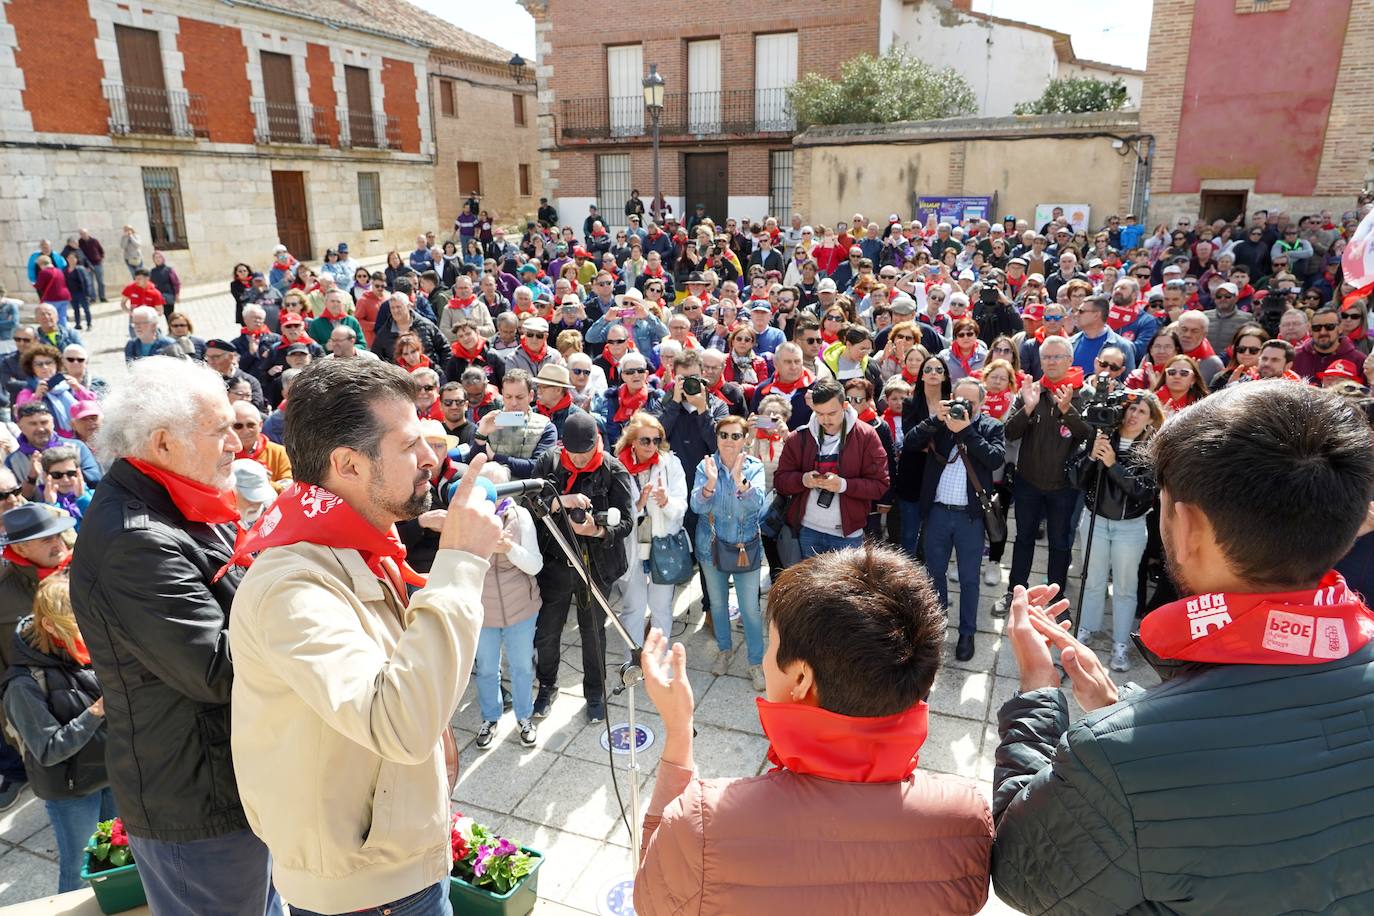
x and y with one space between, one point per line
279 91
145 87
358 84
293 219
708 182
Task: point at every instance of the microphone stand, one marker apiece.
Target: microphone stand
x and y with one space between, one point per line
630 673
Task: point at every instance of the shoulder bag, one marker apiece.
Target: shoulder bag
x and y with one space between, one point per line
993 520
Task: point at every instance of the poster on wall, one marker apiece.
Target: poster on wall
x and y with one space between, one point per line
1077 214
953 209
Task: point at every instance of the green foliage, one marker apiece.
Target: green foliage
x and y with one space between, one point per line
879 90
1075 94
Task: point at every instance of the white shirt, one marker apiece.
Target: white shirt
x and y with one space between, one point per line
952 490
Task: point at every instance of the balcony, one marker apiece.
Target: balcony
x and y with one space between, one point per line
278 123
368 130
136 110
697 114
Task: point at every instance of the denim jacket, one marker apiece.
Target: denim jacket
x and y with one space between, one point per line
736 516
647 332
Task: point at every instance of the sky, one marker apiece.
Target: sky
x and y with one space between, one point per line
1115 33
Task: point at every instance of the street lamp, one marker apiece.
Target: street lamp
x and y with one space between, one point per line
517 68
653 100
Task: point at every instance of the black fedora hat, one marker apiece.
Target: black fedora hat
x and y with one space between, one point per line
32 521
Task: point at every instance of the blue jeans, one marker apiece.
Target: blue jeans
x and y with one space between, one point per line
747 591
1055 507
99 271
486 670
949 531
62 308
432 901
1117 547
814 542
229 875
73 822
911 525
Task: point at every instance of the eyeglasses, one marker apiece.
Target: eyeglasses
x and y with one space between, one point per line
534 335
43 363
933 369
240 426
633 371
1180 372
75 359
655 441
733 437
612 341
1323 327
907 337
1111 367
64 475
1001 349
811 340
455 403
966 334
1247 350
856 399
429 387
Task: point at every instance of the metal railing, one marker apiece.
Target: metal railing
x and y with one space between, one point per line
281 123
701 114
156 112
363 130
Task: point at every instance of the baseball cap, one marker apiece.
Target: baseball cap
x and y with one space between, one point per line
760 305
826 286
967 275
297 348
1227 287
1341 368
85 409
1035 311
528 268
579 432
535 323
343 248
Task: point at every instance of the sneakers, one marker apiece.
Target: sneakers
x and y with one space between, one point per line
992 574
543 701
721 663
1119 660
596 712
1002 606
485 735
1084 634
529 732
756 675
10 790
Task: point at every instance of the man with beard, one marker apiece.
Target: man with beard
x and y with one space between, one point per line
1235 785
348 665
1326 345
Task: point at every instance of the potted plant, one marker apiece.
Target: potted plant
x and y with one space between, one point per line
111 870
491 875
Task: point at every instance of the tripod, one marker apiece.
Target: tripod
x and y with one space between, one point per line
1087 552
630 673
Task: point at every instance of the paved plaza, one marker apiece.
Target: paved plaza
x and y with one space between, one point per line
558 797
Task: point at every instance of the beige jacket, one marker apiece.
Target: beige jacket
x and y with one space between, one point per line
340 696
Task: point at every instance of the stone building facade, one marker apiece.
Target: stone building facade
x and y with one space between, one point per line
217 129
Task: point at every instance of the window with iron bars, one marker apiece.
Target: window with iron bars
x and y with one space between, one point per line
370 199
612 185
162 197
780 184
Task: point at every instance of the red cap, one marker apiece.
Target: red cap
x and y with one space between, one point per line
580 252
1035 311
1341 368
292 318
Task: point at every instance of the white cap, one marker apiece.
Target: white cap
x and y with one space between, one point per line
967 275
1227 287
826 286
251 479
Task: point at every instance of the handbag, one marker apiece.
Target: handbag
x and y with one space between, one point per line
670 559
735 557
993 520
775 516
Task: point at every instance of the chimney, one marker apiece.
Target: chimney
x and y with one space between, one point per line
965 5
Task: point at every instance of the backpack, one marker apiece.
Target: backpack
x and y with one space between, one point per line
11 733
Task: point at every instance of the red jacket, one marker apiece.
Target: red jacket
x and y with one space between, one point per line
863 465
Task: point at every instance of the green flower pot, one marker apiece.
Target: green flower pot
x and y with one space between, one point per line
479 901
116 889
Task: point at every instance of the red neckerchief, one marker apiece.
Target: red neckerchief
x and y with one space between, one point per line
776 384
76 649
811 741
563 404
488 395
43 571
1357 334
256 449
434 412
627 458
461 353
829 337
1118 316
772 437
573 470
628 402
649 272
997 403
1073 378
964 360
422 364
535 357
868 415
256 332
909 378
891 418
1171 403
193 499
303 339
456 303
1254 628
305 512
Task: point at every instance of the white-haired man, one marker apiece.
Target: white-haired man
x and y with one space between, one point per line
148 339
155 618
256 343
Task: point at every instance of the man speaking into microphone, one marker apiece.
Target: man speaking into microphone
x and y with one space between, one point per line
344 686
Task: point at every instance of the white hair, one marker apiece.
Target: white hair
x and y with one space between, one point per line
1057 341
952 298
634 358
1199 315
75 350
247 310
161 392
145 313
425 372
400 299
246 406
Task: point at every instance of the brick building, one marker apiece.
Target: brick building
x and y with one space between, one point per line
217 129
1258 104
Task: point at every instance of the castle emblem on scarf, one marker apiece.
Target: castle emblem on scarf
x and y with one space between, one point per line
1207 612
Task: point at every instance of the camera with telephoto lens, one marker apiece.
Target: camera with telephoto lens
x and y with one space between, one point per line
577 515
1107 408
693 385
959 408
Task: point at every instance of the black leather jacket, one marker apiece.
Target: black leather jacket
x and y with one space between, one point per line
607 487
1128 487
158 632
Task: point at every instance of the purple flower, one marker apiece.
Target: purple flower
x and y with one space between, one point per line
505 848
479 865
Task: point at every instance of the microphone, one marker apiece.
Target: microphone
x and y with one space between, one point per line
496 492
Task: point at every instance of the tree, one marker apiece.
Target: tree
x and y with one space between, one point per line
878 90
1075 94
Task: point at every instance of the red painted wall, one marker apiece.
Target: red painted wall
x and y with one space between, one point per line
62 75
1257 94
217 68
398 89
320 70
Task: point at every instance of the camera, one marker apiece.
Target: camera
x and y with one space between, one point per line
989 296
1105 411
959 408
693 385
577 515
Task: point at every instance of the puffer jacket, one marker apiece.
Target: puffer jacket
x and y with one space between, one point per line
1128 487
1227 789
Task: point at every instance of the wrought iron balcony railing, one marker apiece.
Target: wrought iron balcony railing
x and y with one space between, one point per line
155 112
701 114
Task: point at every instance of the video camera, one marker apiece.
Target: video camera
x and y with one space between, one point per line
1107 407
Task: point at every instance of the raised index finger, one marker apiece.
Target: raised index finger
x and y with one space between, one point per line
462 495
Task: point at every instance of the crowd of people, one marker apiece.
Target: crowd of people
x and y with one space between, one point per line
766 408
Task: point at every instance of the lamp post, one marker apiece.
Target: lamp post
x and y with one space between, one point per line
653 100
517 68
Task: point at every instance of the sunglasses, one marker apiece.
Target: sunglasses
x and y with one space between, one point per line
24 339
1001 349
75 359
966 334
12 494
611 342
182 324
580 371
64 475
811 340
906 337
534 335
1247 350
834 318
633 371
240 426
452 403
856 399
655 441
1323 327
1315 297
1055 318
1350 316
733 437
933 370
1111 367
1222 296
1179 373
